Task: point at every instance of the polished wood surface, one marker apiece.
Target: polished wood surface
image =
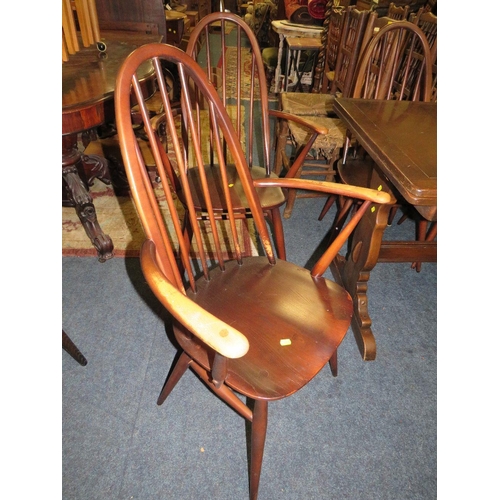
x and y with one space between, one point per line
88 82
256 326
401 138
88 79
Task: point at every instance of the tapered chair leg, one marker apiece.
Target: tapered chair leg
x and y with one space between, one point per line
328 204
258 440
340 217
392 214
421 236
180 367
72 350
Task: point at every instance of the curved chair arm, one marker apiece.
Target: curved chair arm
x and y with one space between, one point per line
304 151
361 193
367 194
221 337
300 120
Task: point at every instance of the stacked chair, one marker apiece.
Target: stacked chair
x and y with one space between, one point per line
356 29
253 329
335 140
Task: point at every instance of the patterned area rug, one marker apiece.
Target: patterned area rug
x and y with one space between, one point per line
118 217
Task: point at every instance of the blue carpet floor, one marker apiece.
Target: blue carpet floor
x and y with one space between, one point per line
369 434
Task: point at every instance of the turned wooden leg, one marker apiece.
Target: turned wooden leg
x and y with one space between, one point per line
258 440
328 204
340 217
180 367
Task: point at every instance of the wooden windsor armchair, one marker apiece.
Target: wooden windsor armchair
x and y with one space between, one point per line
256 326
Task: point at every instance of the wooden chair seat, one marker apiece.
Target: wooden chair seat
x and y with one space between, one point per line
269 197
316 312
307 104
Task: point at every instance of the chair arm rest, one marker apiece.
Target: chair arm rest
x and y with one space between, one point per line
217 334
327 187
300 120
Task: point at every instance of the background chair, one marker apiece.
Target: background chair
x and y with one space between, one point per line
257 326
357 28
399 13
228 51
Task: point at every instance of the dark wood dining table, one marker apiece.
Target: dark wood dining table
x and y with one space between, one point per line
401 139
88 83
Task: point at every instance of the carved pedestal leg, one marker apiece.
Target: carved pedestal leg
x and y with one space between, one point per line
354 270
76 194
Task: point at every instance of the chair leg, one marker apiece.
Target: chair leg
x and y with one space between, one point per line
421 236
281 142
334 364
392 214
258 440
180 367
340 217
279 235
328 204
292 195
72 350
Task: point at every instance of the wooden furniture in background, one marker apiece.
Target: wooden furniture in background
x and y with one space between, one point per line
297 66
395 65
401 139
399 13
142 16
381 7
88 83
357 28
260 327
238 74
285 29
89 33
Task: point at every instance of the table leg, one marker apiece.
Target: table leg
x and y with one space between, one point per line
76 194
277 74
353 271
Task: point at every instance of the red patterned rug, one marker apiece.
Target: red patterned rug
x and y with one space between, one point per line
118 218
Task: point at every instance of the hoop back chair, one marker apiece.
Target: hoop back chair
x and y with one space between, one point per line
256 326
238 74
